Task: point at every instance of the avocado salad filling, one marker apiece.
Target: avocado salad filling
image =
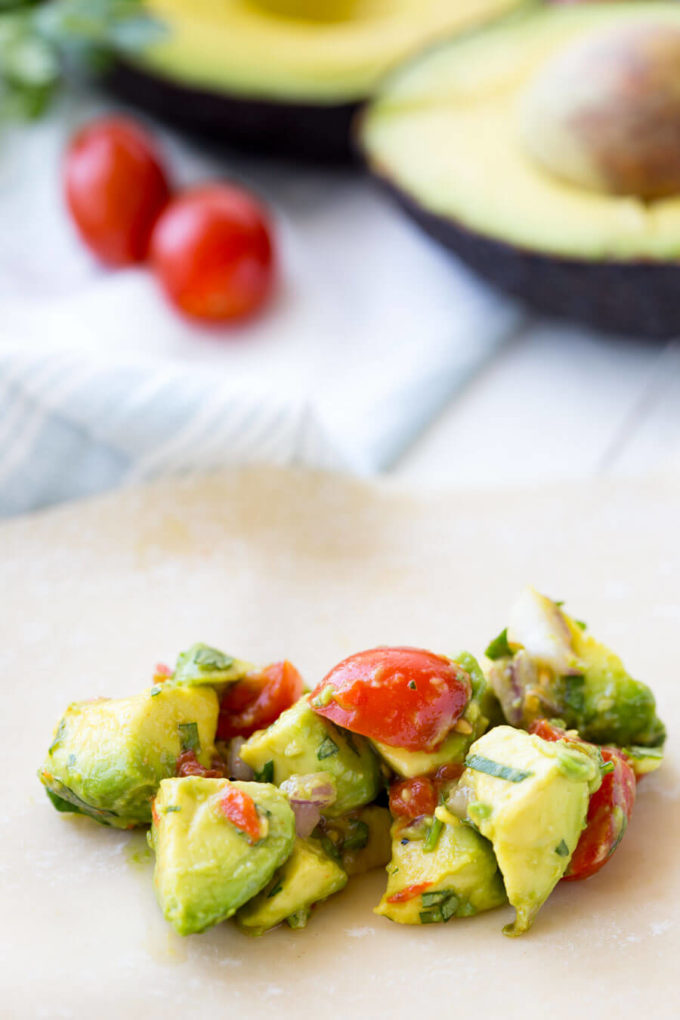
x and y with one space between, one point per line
475 787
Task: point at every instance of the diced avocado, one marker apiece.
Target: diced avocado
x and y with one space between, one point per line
556 669
530 798
202 665
300 741
458 877
360 840
644 760
108 756
453 749
206 868
308 876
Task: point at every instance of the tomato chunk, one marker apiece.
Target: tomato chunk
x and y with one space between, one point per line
609 810
189 765
240 809
258 700
406 697
410 798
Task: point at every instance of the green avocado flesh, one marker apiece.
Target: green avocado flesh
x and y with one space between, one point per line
205 867
301 742
529 798
328 51
459 877
107 757
445 132
555 668
308 876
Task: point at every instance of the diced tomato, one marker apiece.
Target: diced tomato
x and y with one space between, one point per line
161 673
240 809
406 697
449 773
411 798
409 893
258 700
609 810
189 765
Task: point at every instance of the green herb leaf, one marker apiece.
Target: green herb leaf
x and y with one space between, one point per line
581 624
266 773
412 685
432 837
330 848
357 838
171 808
562 849
155 690
327 748
431 899
212 658
188 736
275 889
499 647
479 763
606 767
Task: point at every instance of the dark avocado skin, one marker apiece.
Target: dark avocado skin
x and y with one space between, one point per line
640 299
315 133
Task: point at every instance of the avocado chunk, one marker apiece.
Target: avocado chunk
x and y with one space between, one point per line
530 798
360 841
448 135
201 665
458 877
552 667
206 868
260 72
302 742
307 877
470 726
108 756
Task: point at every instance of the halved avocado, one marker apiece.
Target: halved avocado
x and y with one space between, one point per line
446 136
283 75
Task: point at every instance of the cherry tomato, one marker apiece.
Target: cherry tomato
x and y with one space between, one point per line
258 700
405 697
609 810
115 189
411 798
240 809
189 765
212 252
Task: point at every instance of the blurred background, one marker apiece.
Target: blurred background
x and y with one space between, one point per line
434 240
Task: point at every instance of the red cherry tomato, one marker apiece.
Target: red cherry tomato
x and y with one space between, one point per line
405 697
115 189
411 798
258 700
189 765
609 810
240 809
212 252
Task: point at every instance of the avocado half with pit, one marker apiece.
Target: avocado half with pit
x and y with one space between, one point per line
544 150
282 75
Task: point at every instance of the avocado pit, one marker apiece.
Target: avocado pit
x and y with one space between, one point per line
605 113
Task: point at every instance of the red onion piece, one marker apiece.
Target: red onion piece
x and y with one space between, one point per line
236 767
307 817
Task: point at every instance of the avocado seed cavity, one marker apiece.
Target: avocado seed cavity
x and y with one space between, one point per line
605 113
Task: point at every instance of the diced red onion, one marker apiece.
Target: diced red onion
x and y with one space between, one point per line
307 817
236 766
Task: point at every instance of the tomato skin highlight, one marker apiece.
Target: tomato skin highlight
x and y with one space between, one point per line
213 254
405 697
115 188
609 810
240 809
258 700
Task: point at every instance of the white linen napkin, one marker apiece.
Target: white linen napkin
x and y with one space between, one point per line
373 329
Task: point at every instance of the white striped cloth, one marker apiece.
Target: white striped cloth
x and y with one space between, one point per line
372 332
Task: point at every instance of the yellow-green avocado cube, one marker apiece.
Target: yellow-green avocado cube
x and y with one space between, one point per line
529 797
459 877
300 742
206 868
108 756
308 876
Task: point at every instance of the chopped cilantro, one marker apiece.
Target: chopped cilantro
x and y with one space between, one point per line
432 837
330 848
412 684
479 763
188 736
266 773
357 838
606 767
499 647
156 689
212 658
443 905
562 849
170 808
327 748
581 624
